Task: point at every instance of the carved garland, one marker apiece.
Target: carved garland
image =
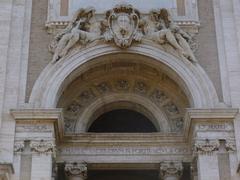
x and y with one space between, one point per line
123 25
42 146
209 146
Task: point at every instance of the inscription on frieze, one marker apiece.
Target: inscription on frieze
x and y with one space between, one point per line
215 127
123 151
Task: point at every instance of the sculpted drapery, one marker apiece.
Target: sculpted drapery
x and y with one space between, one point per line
123 25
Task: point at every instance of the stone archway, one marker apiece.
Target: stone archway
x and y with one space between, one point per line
56 77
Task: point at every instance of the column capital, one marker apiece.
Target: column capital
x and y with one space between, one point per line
171 169
42 146
76 169
206 146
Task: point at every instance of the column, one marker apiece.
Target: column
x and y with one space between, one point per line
76 171
171 170
206 152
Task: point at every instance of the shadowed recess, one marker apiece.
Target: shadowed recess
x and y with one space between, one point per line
122 121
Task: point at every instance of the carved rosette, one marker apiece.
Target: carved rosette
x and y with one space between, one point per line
206 146
19 147
171 169
42 146
76 169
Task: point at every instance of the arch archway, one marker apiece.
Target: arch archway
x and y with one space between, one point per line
190 77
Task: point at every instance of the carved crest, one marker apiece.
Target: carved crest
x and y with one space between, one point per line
123 22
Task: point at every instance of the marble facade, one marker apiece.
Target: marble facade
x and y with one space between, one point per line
151 58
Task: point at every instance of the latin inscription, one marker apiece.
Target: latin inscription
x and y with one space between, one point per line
124 151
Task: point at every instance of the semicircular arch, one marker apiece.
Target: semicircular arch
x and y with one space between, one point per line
190 77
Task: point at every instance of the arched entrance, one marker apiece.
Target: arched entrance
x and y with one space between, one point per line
143 80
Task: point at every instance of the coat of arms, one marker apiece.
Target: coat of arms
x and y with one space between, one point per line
122 24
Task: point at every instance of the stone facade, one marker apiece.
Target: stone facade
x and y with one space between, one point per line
66 63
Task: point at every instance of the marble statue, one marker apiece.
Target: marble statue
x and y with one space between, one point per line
122 25
160 27
82 29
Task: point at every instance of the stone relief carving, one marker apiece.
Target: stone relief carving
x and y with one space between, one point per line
206 146
42 146
230 145
82 29
171 169
177 125
76 169
19 147
123 25
88 96
140 87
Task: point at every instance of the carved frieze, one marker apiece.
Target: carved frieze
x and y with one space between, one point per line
123 25
206 146
88 96
42 146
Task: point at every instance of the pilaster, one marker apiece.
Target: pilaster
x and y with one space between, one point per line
214 144
35 141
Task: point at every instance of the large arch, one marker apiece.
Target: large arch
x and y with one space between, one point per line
190 77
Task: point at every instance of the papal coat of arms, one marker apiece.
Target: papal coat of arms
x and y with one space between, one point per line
122 24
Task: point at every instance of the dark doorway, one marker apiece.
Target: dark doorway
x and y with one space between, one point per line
122 121
123 175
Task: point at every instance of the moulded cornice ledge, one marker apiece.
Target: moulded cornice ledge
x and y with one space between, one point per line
219 113
36 114
41 116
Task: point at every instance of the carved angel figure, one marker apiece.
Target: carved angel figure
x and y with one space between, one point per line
82 29
160 27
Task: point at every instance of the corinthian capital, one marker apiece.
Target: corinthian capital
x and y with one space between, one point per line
171 170
206 146
42 146
76 169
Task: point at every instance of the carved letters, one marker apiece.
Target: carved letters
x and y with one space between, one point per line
122 25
